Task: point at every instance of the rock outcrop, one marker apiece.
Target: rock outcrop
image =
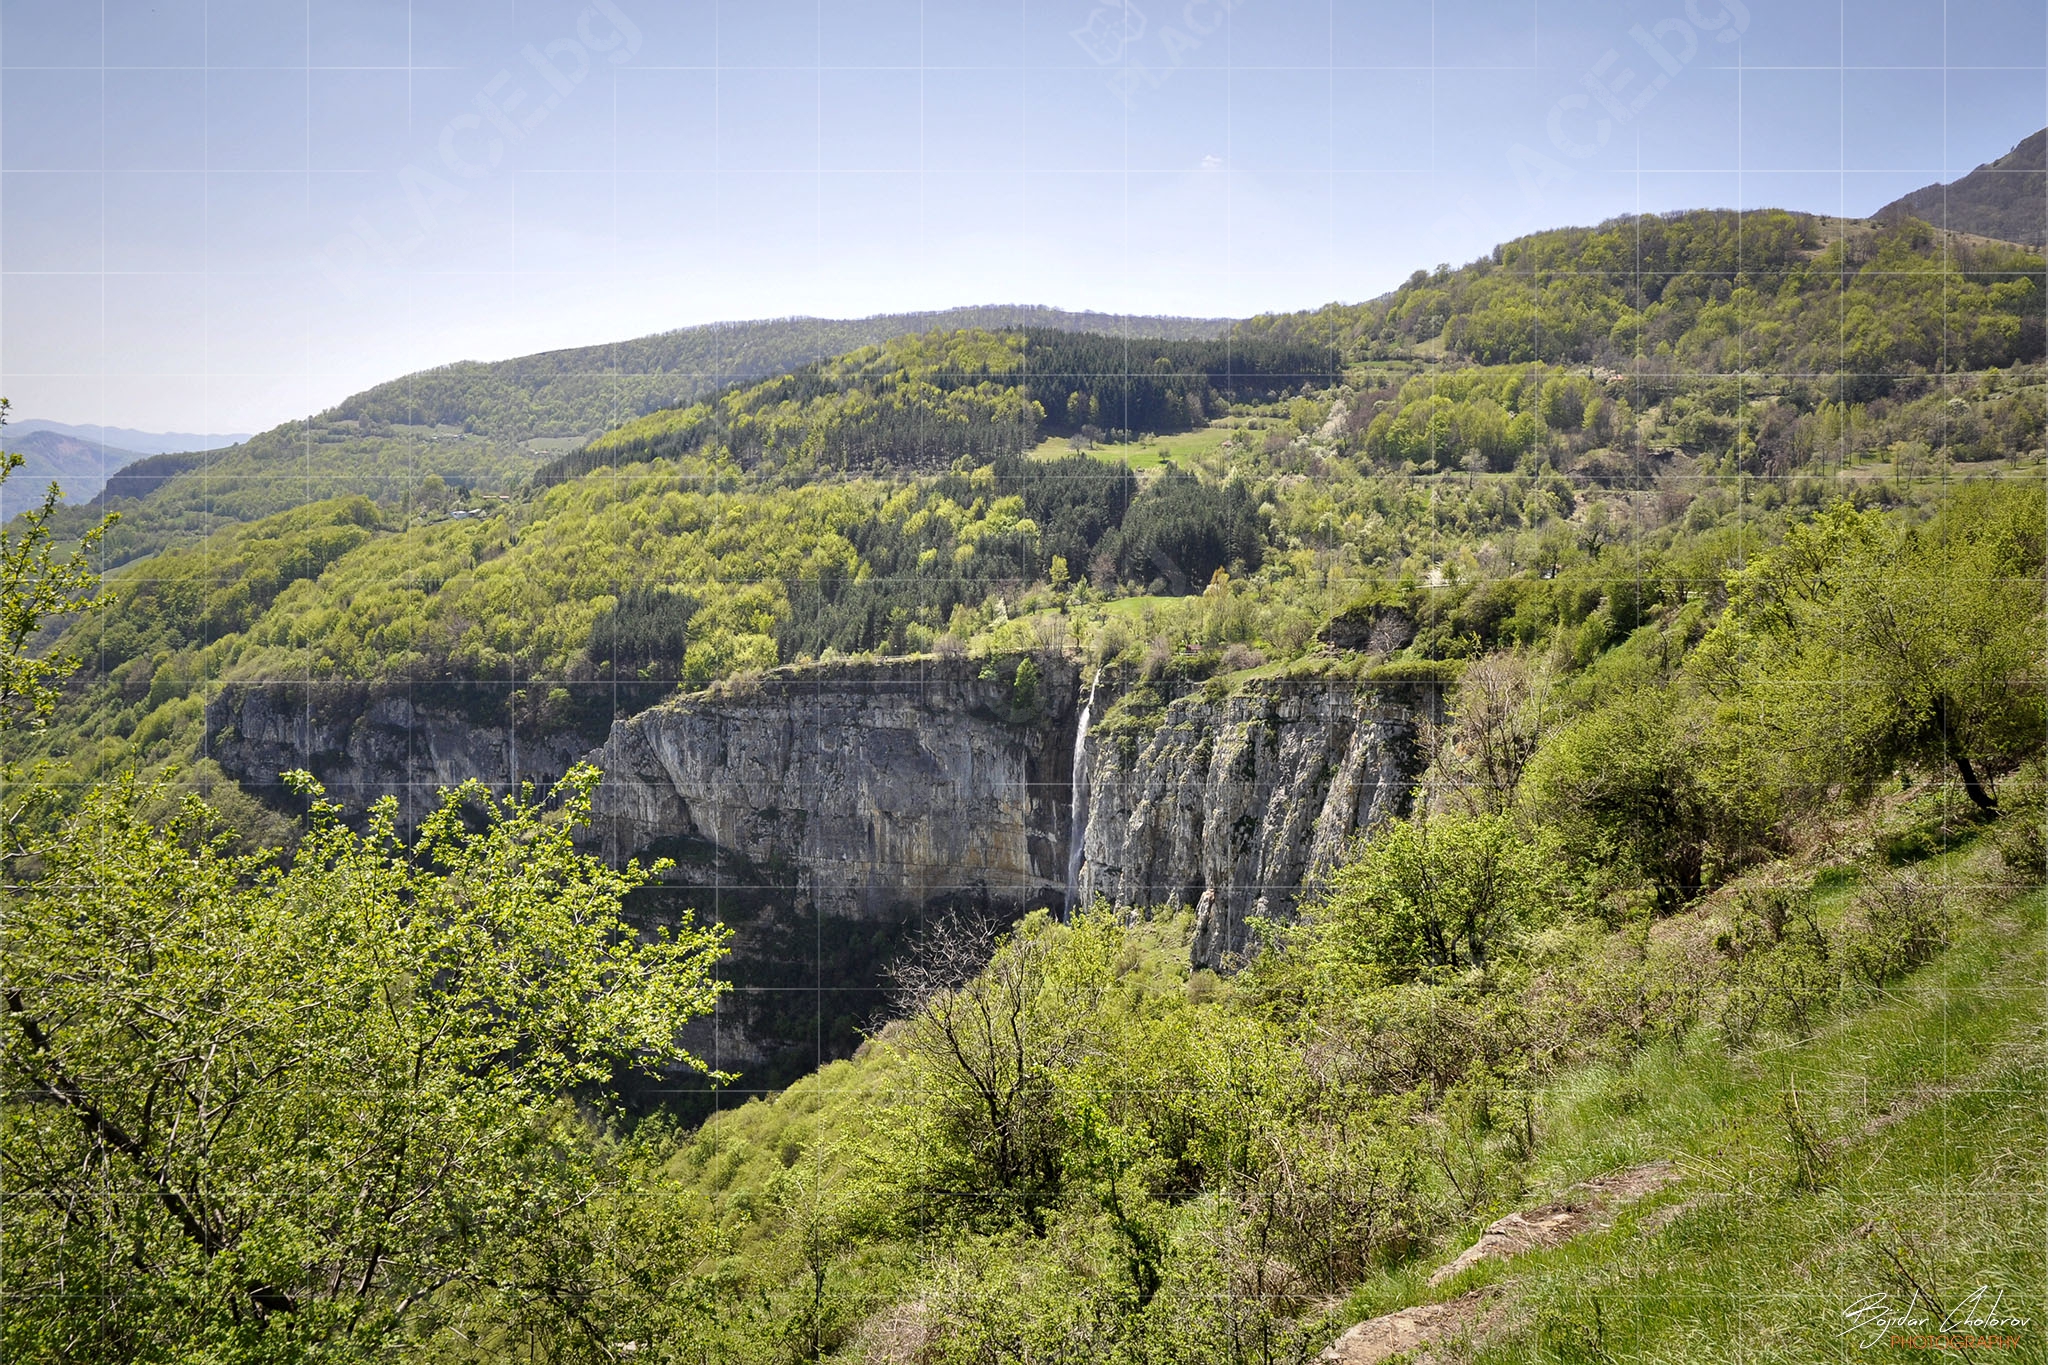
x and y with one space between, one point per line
1235 804
368 741
1410 1333
859 790
824 811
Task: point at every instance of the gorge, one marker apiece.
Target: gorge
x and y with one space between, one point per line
824 810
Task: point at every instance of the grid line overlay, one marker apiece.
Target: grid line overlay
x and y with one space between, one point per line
928 682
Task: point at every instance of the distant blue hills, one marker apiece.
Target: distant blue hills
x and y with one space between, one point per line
79 459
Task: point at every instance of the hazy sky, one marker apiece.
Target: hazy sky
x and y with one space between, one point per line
215 216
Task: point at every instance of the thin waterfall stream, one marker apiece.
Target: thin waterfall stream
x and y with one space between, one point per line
1077 821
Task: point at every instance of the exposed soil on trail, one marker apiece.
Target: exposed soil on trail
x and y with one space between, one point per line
1585 1208
1411 1329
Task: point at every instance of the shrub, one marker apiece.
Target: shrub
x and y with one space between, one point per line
1783 973
1024 687
1652 786
2020 832
1334 1200
1899 922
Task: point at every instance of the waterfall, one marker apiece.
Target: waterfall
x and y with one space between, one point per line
1077 820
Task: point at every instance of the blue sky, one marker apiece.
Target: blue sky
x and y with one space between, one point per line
219 214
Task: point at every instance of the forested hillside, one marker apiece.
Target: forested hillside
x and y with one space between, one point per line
476 429
577 392
959 490
1851 303
928 401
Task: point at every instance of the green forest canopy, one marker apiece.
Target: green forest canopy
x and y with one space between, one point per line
1068 1143
1715 292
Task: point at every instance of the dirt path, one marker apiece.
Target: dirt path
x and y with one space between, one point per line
1411 1329
1585 1208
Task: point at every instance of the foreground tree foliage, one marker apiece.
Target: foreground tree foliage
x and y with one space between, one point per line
35 584
266 1108
1866 642
270 1107
1646 787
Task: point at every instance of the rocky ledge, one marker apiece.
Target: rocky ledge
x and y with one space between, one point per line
861 790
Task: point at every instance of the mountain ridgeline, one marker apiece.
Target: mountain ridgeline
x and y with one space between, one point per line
1848 304
575 392
476 430
78 465
2006 198
922 403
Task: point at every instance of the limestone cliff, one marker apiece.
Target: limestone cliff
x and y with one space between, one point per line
823 811
367 741
867 791
1233 804
863 790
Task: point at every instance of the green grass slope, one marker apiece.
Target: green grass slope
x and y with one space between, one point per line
1883 1164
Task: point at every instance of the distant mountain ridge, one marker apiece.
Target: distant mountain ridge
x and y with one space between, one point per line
80 467
130 440
484 427
87 461
2006 198
580 391
83 460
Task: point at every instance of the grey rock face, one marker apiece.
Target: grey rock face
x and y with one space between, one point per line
861 790
365 742
1236 805
865 792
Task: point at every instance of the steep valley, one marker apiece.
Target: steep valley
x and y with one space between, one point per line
1493 812
828 632
1009 844
826 811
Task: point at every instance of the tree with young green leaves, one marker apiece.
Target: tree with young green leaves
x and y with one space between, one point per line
1865 642
988 1030
36 585
1449 891
269 1108
1646 788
